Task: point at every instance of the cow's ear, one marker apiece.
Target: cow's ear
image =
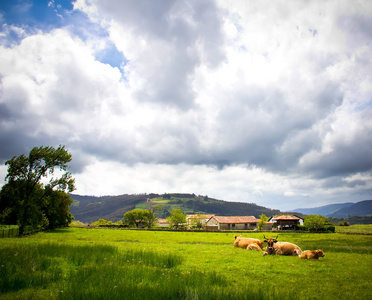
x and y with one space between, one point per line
275 241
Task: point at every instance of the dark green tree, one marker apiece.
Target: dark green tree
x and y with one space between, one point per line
139 216
57 209
32 195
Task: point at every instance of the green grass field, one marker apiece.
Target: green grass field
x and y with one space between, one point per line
357 228
78 263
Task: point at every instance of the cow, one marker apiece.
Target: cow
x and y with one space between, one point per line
254 246
280 248
312 254
243 242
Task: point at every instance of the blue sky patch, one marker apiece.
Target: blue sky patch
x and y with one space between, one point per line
112 56
41 14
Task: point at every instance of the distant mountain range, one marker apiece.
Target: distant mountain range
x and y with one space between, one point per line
89 209
341 210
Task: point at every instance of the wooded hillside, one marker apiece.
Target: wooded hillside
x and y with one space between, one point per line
112 208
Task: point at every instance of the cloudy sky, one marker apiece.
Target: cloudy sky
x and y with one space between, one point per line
266 102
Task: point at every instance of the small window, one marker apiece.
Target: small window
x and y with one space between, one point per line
233 225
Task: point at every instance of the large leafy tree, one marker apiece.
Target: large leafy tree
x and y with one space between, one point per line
33 194
177 218
136 217
315 222
139 216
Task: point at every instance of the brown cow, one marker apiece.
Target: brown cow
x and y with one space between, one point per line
242 242
312 254
254 246
281 248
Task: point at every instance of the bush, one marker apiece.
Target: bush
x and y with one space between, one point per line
315 223
78 224
301 228
100 222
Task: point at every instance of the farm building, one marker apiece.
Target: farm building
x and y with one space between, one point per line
162 223
286 222
232 223
192 219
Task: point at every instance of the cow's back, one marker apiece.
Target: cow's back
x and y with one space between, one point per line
285 248
245 242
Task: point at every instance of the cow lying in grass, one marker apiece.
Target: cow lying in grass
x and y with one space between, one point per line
312 254
280 248
242 242
254 246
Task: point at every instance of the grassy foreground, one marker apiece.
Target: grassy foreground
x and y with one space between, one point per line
78 263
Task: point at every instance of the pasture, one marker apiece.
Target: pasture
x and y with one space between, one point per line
78 263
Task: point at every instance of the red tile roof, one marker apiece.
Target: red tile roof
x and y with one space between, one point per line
162 221
236 220
197 216
285 217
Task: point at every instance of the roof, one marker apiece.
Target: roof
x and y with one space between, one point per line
285 218
163 221
198 216
235 220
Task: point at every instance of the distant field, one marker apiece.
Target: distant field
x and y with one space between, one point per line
357 228
78 263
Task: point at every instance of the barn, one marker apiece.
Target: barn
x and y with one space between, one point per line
162 223
232 223
190 219
286 222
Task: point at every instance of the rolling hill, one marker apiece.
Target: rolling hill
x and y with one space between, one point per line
89 208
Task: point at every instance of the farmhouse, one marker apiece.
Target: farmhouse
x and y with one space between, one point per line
163 223
192 219
232 223
286 222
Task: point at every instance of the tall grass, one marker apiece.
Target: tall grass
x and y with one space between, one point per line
104 272
7 231
357 228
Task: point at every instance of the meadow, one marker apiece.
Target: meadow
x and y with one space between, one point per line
79 263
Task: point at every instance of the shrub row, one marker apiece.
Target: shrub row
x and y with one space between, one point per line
326 228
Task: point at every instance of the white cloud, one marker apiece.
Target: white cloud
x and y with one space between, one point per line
249 101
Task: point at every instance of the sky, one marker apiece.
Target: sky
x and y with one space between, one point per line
266 102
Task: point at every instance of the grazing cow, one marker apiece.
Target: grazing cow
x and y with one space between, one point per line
281 248
242 242
254 246
312 254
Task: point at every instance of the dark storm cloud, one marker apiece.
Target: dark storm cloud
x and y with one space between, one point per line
358 28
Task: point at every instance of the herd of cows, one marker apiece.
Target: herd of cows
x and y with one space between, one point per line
274 247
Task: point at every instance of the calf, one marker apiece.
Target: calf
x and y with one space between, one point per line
312 254
242 242
281 248
254 246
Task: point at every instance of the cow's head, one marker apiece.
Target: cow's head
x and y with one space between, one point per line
270 243
320 253
237 236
